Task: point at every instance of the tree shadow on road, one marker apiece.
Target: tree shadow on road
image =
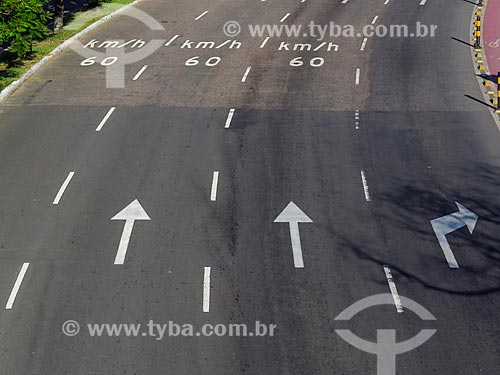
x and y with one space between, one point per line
406 213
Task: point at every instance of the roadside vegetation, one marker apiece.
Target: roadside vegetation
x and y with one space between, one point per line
28 32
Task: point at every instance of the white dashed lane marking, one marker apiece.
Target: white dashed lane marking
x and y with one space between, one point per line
215 182
365 186
206 290
394 290
105 119
139 73
63 188
171 40
244 79
201 15
285 17
229 118
17 286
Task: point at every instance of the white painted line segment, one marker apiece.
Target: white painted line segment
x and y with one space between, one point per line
244 79
365 187
394 290
105 119
358 72
201 15
423 2
171 40
229 118
363 45
285 17
215 182
263 44
17 286
374 21
139 73
63 188
206 290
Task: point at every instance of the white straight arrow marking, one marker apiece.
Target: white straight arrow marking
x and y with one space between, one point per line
294 215
130 214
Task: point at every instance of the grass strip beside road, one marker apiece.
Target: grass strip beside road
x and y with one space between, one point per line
12 68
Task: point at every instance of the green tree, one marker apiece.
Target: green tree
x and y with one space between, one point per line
21 23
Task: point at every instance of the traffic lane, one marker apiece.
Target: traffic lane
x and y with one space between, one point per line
33 338
87 286
440 151
419 164
306 157
431 74
39 147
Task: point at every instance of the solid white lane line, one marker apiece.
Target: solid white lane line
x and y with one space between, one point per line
215 182
105 119
394 290
374 21
363 45
285 17
17 286
365 186
206 290
358 72
171 40
137 76
63 188
229 118
263 44
201 15
246 74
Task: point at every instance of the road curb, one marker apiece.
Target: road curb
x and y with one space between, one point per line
481 65
6 92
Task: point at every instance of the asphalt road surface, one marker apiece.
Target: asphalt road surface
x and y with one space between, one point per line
370 139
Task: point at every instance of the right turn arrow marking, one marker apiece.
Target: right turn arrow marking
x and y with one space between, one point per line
450 223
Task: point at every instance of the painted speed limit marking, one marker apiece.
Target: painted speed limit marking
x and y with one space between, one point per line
315 62
212 61
108 61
